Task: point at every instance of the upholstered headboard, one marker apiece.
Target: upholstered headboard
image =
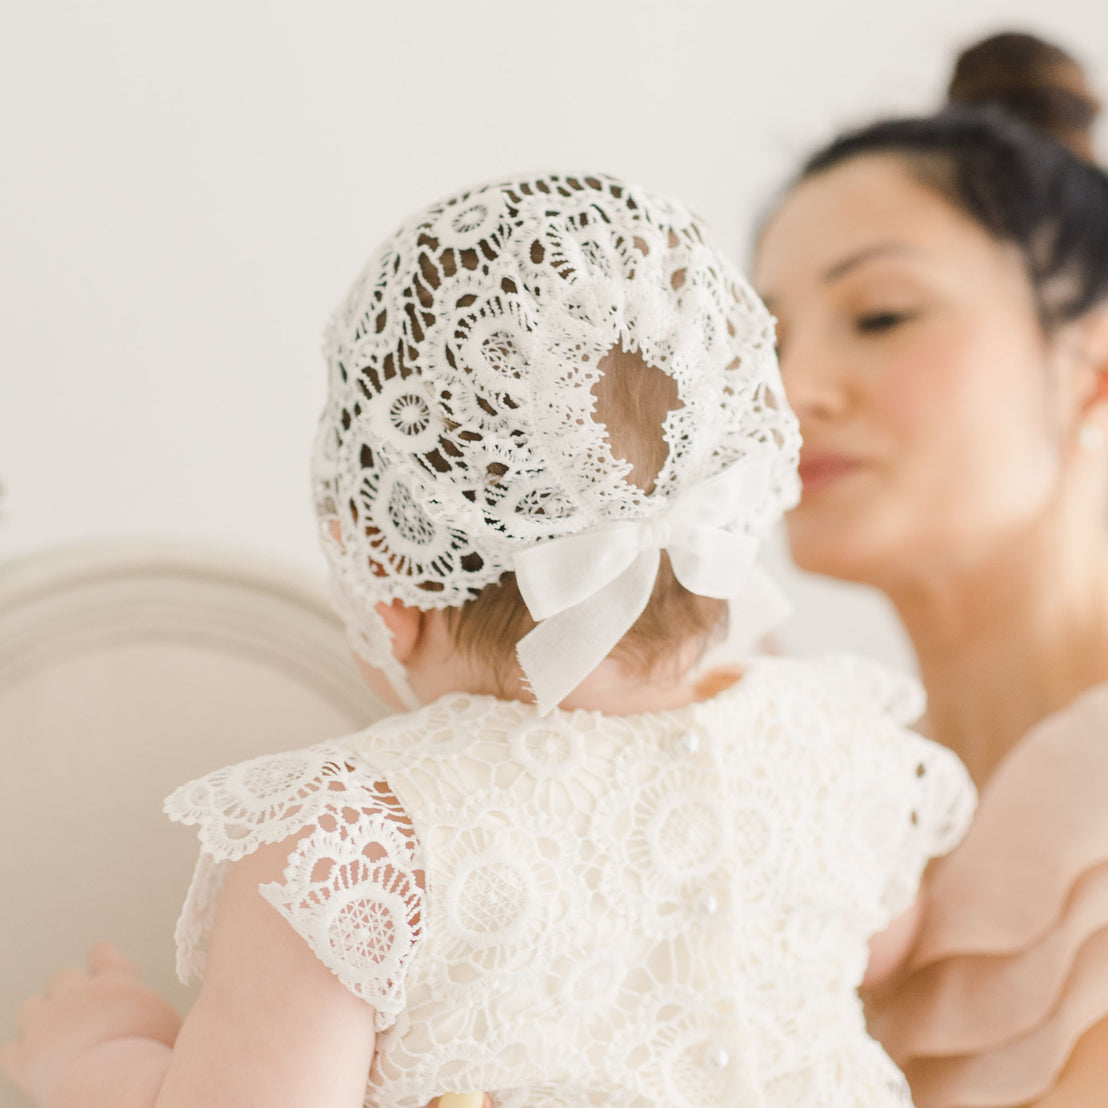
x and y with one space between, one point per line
126 669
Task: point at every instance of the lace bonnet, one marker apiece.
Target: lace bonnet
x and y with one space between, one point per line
458 441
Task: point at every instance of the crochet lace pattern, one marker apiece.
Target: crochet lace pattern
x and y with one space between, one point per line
459 421
663 909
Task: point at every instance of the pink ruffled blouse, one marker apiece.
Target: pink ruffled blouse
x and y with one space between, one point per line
1011 967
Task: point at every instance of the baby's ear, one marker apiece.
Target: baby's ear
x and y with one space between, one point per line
405 624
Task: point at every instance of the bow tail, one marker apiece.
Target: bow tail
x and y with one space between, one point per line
562 650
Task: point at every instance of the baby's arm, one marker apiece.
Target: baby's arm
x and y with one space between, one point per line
95 1037
272 1025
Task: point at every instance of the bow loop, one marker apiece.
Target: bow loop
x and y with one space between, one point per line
712 562
587 590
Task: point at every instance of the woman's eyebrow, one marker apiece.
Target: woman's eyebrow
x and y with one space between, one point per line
841 268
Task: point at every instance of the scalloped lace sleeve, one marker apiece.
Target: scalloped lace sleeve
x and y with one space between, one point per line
352 888
941 801
918 797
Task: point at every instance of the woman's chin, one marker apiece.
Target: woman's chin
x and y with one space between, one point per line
831 551
842 569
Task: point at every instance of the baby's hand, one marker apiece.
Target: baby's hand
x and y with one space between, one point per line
80 1011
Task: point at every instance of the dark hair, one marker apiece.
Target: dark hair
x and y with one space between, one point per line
1011 149
1035 81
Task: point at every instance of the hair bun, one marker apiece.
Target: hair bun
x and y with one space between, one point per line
1034 80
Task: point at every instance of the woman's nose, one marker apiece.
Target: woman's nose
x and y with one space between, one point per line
815 384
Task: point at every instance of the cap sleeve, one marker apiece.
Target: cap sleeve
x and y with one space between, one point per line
939 799
352 886
915 796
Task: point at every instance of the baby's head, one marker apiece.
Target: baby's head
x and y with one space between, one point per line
536 359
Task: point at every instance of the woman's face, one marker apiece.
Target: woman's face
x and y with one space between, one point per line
911 351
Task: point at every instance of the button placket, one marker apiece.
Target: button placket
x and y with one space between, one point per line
688 742
718 1057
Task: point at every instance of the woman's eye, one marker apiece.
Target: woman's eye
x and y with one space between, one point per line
876 322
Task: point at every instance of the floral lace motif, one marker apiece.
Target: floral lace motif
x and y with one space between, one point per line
353 884
663 909
459 422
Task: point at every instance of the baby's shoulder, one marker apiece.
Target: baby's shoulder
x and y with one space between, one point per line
237 808
843 684
345 861
272 797
841 723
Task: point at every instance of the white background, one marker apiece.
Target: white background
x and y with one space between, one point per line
187 189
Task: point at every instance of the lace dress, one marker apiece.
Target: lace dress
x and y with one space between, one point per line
579 909
1011 968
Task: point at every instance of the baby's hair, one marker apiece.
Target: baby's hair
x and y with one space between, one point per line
632 401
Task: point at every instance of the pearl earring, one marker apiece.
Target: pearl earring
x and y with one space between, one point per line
1091 438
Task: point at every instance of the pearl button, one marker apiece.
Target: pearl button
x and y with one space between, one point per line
710 905
718 1057
688 742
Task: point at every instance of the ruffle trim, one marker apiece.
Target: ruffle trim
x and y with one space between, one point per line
352 887
1012 967
1026 1067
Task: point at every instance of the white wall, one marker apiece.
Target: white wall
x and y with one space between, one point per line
188 188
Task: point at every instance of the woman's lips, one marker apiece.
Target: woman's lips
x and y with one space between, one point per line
819 470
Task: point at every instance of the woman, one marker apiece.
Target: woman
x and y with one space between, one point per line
941 286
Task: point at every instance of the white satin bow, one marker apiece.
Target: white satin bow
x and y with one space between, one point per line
586 590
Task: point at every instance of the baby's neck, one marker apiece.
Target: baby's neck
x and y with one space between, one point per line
616 693
615 687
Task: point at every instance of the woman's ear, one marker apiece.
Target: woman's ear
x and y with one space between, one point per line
1091 343
405 625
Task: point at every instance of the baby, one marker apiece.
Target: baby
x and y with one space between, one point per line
565 873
